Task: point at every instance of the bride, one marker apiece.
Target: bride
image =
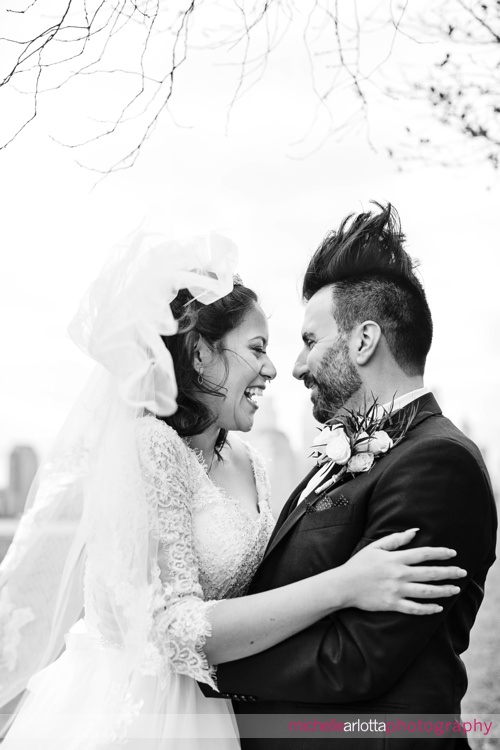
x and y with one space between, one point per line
150 517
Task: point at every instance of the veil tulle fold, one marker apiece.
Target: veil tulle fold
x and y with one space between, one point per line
85 533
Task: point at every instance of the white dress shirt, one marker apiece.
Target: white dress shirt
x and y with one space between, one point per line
405 399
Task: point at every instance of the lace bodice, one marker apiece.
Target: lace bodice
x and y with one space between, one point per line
209 546
229 542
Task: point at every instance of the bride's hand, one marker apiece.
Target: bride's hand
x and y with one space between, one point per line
383 579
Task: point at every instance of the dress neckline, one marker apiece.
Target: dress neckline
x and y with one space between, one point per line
224 493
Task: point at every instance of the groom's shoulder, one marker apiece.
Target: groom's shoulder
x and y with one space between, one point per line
439 427
439 437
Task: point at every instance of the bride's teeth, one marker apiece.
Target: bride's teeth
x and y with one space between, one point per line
251 393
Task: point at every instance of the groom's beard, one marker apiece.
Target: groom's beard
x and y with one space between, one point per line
337 380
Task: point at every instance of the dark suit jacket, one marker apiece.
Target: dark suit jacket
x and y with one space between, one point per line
376 662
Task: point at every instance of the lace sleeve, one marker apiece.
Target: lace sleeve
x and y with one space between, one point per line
180 622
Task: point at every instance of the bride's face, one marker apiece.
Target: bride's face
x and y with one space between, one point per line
241 371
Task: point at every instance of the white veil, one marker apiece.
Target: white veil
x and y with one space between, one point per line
85 522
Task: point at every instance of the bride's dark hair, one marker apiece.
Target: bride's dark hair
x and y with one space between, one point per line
212 322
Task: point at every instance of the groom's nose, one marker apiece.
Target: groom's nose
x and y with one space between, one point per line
300 368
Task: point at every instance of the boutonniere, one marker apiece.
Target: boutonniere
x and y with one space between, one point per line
355 440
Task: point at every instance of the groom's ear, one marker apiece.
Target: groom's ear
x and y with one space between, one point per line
366 340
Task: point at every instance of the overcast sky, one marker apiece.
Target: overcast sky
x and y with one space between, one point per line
273 199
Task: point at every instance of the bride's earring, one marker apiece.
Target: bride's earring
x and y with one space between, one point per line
198 361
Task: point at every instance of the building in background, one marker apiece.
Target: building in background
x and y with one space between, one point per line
23 467
274 445
4 502
309 431
285 464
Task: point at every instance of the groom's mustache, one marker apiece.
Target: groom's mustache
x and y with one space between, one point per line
309 381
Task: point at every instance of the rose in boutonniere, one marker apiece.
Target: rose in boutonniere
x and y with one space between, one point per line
360 462
332 444
378 442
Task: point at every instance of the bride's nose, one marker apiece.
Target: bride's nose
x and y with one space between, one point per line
268 369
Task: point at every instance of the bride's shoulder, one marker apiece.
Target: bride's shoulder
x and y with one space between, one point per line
151 426
158 442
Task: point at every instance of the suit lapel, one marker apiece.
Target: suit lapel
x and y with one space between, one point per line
427 407
288 506
292 513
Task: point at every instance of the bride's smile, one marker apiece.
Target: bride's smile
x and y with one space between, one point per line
240 372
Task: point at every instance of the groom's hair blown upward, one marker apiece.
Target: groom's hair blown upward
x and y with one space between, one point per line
373 278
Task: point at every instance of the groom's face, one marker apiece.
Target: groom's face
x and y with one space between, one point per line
325 364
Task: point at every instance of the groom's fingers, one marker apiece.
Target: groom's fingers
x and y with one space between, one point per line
435 573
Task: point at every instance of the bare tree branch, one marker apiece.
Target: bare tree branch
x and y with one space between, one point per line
133 50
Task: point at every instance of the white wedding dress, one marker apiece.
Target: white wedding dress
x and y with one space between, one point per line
209 548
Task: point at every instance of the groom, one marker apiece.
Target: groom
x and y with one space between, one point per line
367 331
